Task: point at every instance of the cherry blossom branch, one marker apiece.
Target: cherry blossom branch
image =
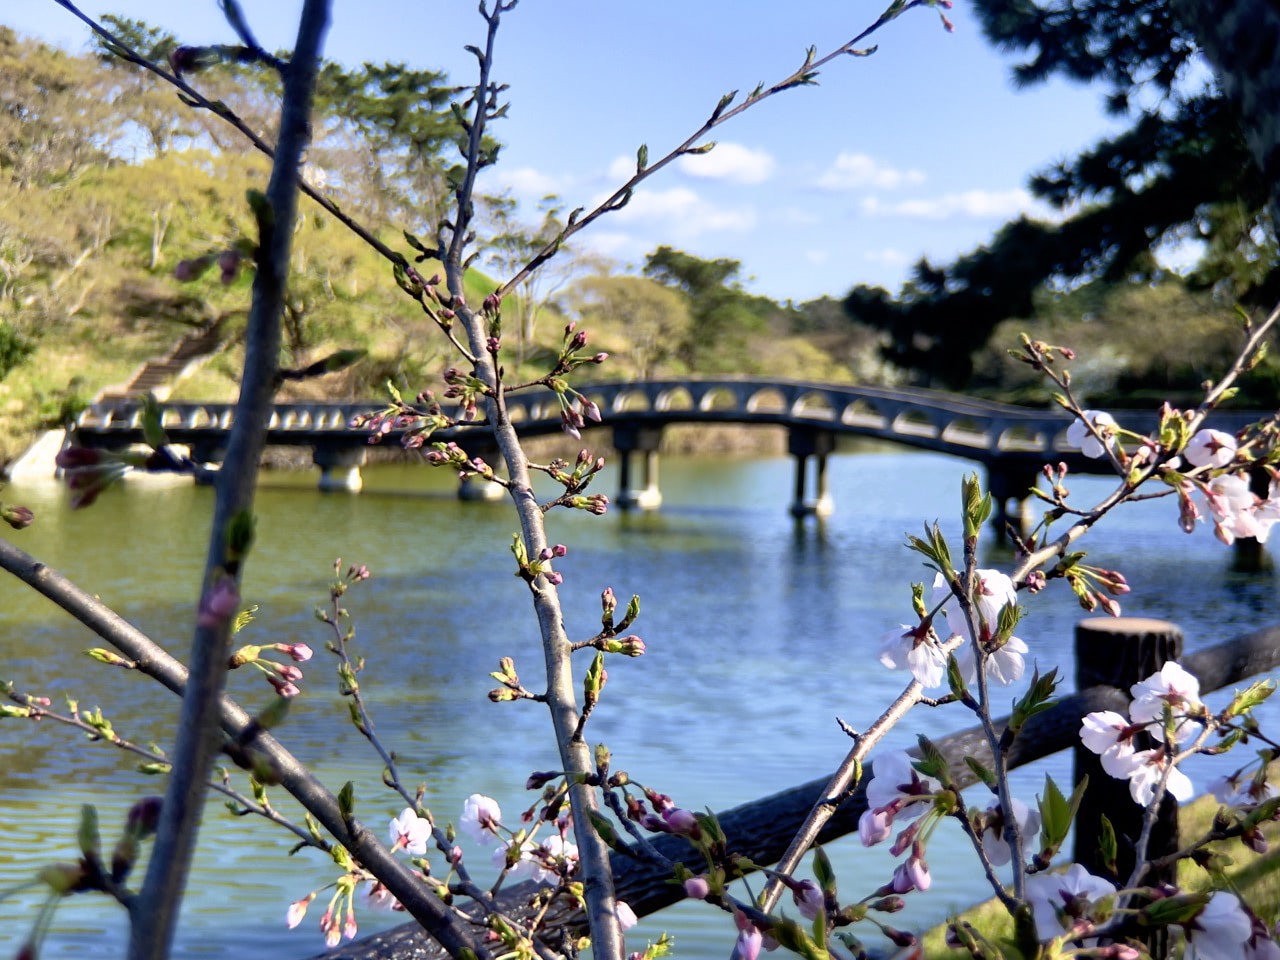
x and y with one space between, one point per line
843 782
158 901
1058 547
804 75
37 710
155 662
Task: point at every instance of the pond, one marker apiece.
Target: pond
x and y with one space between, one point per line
761 630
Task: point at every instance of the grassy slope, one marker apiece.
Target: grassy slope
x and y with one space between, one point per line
1256 876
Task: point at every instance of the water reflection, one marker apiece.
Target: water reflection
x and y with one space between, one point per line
759 630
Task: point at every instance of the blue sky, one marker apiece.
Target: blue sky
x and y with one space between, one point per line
921 149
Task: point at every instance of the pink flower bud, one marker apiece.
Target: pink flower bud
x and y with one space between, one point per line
600 357
16 516
681 821
300 652
697 887
219 603
283 687
559 550
298 910
144 816
73 458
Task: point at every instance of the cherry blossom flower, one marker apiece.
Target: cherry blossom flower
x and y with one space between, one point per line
1173 686
1235 509
750 940
1220 930
1078 434
911 648
1149 767
298 910
626 916
912 873
874 826
896 783
1234 792
993 591
1058 900
219 603
410 832
480 815
808 899
895 789
1211 448
1108 734
994 844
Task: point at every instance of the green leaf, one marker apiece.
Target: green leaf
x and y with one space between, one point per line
241 531
347 800
723 105
823 872
87 835
982 772
152 431
414 242
1057 813
1037 698
1107 843
977 506
642 158
932 763
1244 701
243 618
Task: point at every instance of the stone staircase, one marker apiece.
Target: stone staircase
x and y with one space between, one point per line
158 376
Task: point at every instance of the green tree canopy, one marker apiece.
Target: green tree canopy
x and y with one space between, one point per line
1180 171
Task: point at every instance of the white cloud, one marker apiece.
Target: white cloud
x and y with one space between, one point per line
888 256
973 204
732 162
853 171
523 182
681 211
798 217
610 244
817 257
622 169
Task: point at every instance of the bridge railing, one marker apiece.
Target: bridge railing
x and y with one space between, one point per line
927 418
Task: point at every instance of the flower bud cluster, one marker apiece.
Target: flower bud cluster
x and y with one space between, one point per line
16 516
529 570
584 471
229 262
283 677
88 472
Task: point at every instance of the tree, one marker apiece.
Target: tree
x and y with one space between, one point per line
389 130
53 124
723 313
135 96
1181 171
512 245
649 320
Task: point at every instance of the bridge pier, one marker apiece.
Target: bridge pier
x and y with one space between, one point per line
339 467
805 443
475 489
1011 499
628 440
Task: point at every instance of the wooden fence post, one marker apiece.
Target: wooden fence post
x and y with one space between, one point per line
1118 652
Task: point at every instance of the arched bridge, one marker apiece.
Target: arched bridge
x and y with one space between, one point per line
1011 442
